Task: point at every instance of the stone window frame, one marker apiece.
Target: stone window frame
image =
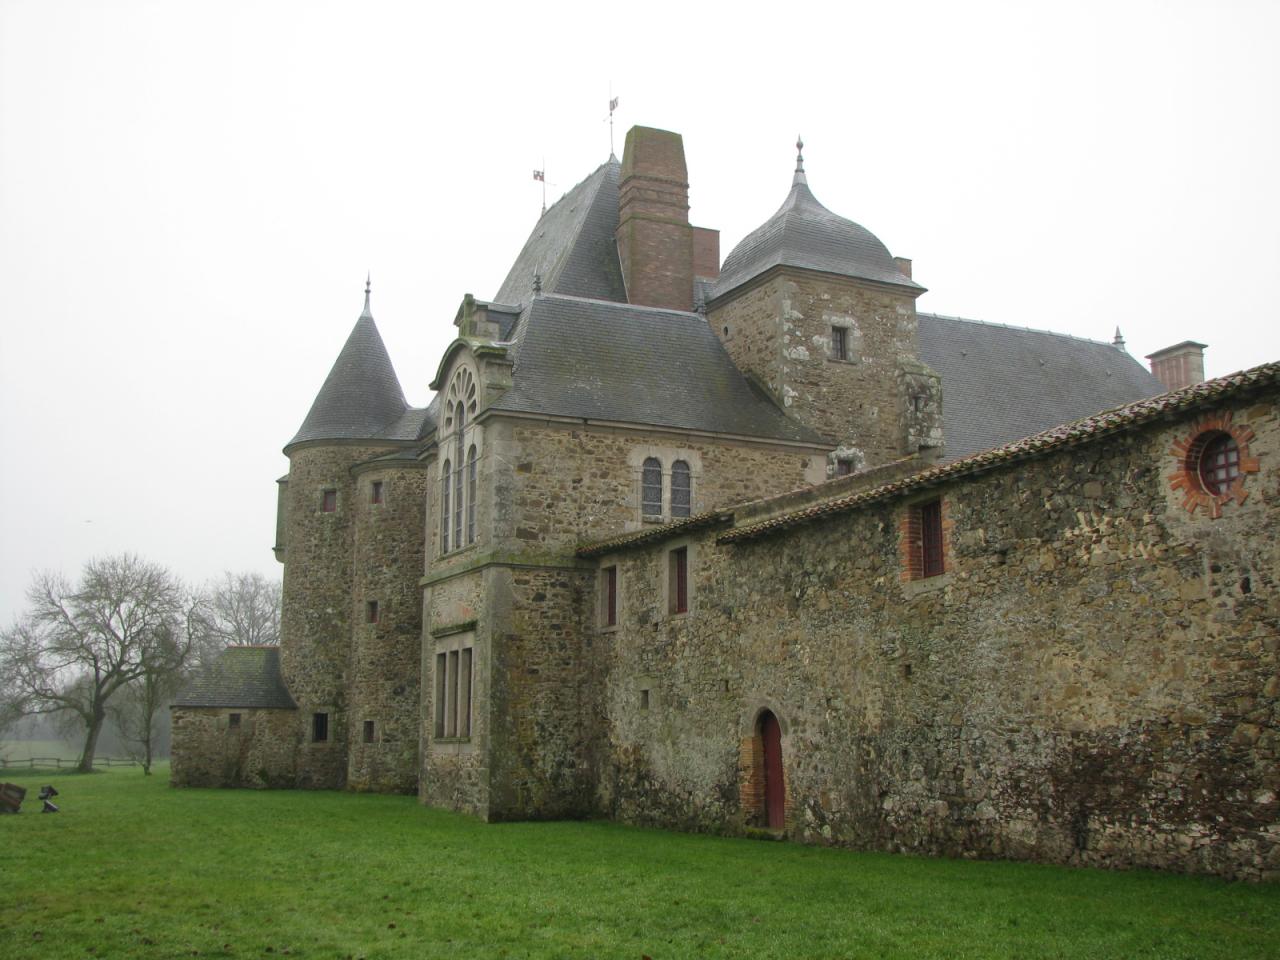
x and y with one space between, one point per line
1188 453
669 575
911 539
457 474
234 720
329 500
368 731
377 493
456 654
852 339
840 343
603 622
373 612
667 458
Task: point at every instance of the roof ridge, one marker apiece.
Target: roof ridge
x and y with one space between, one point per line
1013 326
619 303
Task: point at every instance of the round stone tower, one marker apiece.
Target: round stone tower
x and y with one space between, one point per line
359 414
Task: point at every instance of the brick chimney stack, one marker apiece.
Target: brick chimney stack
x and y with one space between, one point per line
1181 365
655 241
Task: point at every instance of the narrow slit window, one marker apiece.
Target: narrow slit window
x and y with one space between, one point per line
451 693
681 489
651 488
367 735
371 611
678 587
329 501
610 590
319 727
375 492
441 666
458 477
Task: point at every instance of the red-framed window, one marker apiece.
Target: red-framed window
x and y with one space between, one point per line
678 598
931 563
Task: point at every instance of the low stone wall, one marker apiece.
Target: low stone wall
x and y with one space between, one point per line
260 752
1094 679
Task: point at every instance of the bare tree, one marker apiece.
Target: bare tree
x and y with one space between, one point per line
240 609
139 704
77 647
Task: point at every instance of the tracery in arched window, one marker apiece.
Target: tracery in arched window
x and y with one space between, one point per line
458 475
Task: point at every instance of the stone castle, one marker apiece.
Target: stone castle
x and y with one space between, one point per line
756 546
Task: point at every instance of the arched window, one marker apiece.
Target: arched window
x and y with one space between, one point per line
445 480
651 488
457 503
460 420
681 489
471 495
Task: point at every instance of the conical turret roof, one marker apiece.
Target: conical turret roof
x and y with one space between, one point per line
361 398
804 233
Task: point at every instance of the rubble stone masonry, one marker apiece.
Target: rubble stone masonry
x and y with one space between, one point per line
876 404
1094 679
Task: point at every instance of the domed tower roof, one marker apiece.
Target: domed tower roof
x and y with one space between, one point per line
804 233
361 398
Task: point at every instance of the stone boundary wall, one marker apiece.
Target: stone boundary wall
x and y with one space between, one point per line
1093 680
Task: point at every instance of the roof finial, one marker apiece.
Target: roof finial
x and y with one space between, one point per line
537 282
1118 342
368 285
799 177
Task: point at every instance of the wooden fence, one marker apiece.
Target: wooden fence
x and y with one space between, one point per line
57 763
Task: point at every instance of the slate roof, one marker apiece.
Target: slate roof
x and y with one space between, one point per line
804 233
573 246
1000 383
241 677
361 398
1128 417
598 360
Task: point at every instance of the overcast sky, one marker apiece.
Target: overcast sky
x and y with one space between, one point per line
191 193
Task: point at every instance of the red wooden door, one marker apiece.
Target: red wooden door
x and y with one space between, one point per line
774 792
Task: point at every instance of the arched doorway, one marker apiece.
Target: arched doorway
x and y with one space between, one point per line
775 795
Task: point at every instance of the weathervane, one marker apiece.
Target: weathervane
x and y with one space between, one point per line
541 177
613 105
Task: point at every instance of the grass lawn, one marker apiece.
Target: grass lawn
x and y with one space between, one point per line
132 868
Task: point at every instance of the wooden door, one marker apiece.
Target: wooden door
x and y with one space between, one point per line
774 790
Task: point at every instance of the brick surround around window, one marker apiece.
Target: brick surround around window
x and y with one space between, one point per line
1189 452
